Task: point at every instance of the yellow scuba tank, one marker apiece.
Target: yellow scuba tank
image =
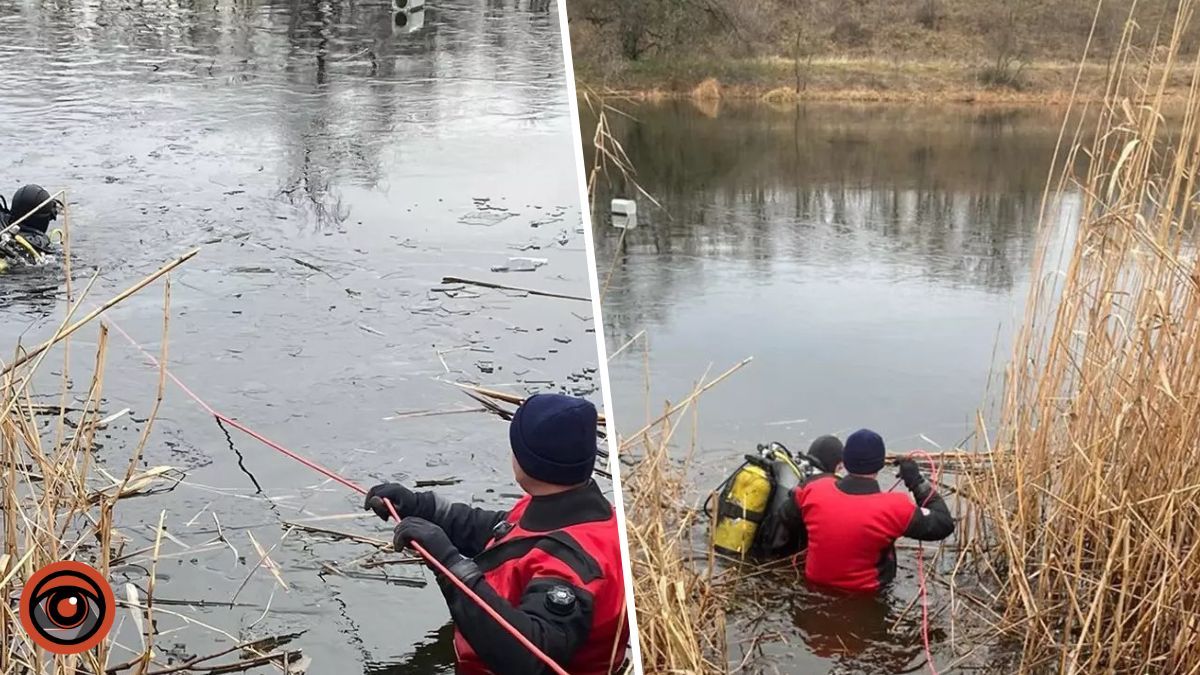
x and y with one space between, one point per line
744 499
741 505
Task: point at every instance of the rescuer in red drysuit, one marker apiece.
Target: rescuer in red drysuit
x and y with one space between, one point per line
852 526
551 565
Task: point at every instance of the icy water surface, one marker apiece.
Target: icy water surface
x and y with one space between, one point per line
333 161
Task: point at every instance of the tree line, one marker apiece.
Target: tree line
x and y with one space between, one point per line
1000 36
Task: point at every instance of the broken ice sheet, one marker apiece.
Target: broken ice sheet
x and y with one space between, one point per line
486 218
521 264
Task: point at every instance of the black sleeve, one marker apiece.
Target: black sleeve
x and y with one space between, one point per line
469 528
797 532
932 520
556 630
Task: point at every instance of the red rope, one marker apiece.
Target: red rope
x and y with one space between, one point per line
433 562
935 475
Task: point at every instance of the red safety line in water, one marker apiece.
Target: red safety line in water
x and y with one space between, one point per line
433 562
935 472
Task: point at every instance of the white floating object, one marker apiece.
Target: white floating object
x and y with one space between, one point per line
624 214
408 20
408 5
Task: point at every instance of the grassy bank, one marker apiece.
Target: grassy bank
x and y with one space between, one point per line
782 80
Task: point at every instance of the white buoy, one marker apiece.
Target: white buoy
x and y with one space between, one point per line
408 5
408 20
624 214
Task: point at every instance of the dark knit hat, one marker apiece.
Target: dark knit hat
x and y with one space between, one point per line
864 453
826 453
553 438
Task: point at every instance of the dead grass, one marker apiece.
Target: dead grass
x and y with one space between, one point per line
709 89
1087 531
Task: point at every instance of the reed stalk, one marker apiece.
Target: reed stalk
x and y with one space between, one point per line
1082 534
52 507
680 603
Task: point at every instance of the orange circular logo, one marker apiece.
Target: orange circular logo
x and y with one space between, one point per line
67 607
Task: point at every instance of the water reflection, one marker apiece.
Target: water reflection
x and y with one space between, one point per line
858 632
950 195
780 624
335 85
429 657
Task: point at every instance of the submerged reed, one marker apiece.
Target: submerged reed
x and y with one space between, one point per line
1083 544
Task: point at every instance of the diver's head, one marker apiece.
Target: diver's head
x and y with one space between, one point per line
27 200
826 453
553 439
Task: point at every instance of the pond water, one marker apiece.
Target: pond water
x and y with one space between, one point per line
333 161
871 259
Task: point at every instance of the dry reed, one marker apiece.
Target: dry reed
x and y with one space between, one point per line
59 501
679 603
1084 549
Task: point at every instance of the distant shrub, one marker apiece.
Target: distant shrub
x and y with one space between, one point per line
1002 76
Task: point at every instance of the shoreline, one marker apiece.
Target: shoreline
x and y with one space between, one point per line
744 94
775 81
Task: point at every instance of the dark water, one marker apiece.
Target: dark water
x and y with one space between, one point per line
280 136
870 259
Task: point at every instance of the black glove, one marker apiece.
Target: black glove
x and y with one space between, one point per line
431 537
910 473
402 498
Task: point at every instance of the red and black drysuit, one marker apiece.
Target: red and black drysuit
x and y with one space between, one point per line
851 527
551 567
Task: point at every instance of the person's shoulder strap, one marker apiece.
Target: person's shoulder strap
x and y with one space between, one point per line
558 544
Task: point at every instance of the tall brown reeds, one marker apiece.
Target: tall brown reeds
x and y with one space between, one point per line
1084 544
680 612
679 602
58 498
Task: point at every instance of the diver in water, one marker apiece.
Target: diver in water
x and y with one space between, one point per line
825 457
24 224
551 565
852 525
825 454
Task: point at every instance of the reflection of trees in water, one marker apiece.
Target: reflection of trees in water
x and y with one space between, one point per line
338 79
949 195
360 75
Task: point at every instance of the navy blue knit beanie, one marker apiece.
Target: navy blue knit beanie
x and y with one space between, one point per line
864 452
553 438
